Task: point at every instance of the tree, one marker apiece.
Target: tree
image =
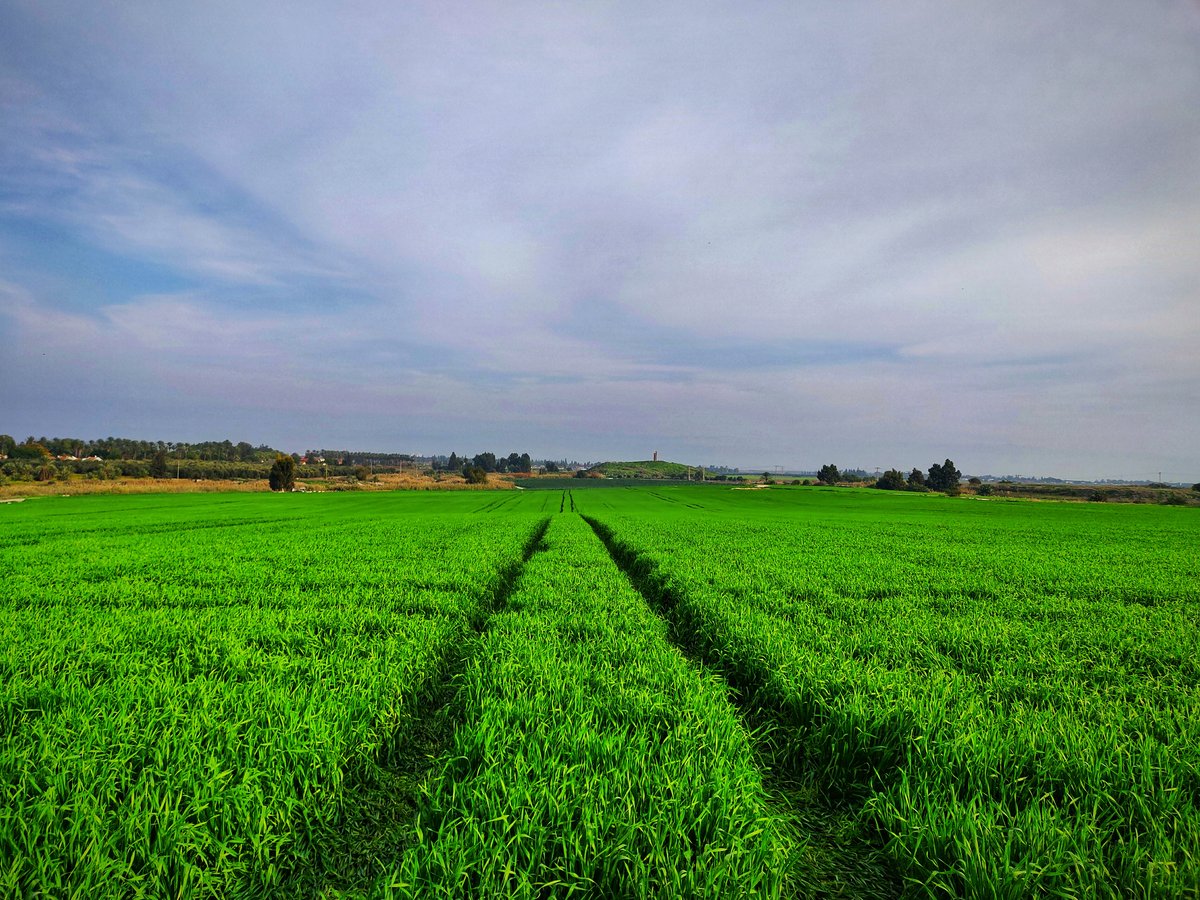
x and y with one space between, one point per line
31 449
916 479
944 477
453 463
1196 487
7 445
282 476
552 466
474 474
765 478
829 474
158 465
892 480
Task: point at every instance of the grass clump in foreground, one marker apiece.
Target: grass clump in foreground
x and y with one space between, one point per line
591 758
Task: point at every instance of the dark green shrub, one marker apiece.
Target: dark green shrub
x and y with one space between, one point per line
282 476
943 477
892 480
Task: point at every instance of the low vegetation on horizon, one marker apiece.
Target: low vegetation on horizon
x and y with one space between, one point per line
648 468
47 466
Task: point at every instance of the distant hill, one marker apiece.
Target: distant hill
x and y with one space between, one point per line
645 468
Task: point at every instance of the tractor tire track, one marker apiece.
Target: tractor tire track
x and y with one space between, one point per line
381 802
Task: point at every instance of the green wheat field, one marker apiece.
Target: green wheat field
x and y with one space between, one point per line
677 691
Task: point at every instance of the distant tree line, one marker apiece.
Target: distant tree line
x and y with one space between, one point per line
50 459
50 469
37 459
111 448
830 474
360 458
941 477
487 462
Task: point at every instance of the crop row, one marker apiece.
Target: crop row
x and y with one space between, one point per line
1009 699
184 699
591 758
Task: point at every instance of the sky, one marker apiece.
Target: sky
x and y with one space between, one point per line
754 234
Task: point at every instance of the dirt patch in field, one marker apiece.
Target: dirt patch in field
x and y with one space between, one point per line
77 486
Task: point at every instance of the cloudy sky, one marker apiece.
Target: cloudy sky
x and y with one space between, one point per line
787 233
